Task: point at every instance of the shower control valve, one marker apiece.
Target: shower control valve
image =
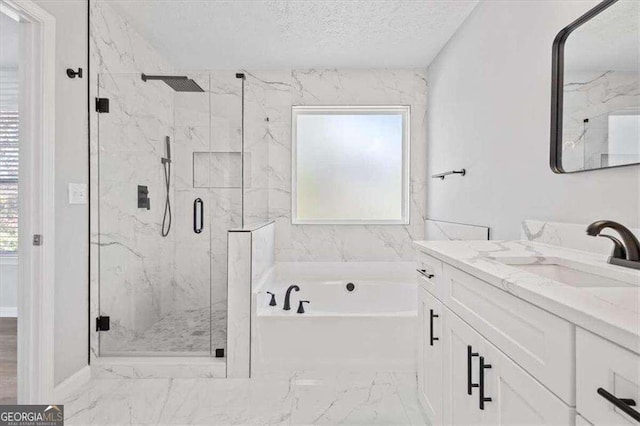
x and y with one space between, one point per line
143 197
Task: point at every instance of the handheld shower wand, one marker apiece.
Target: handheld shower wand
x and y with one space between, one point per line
166 164
167 147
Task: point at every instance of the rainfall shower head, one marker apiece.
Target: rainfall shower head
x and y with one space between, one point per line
179 83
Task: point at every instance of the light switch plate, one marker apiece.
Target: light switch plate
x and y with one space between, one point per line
77 193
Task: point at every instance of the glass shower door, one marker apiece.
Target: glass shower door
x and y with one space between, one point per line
154 227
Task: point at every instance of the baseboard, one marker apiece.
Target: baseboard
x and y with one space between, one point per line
72 384
8 312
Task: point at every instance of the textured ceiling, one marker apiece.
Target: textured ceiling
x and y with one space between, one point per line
270 34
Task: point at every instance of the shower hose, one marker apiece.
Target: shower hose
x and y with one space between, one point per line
166 219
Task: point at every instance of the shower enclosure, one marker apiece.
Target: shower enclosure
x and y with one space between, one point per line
171 182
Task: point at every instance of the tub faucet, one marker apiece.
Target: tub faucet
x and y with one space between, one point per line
625 253
287 296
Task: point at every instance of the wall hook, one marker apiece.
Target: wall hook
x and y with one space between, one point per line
73 74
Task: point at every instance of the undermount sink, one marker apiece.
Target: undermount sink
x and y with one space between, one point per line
572 273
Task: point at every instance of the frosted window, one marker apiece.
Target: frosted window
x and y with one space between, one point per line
350 165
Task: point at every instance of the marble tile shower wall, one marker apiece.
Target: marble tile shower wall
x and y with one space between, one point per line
207 125
144 277
268 121
129 259
138 277
590 95
136 262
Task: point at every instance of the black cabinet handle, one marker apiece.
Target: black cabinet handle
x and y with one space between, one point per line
198 205
470 355
431 317
482 398
624 404
424 273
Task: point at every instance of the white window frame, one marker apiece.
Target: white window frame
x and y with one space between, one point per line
404 110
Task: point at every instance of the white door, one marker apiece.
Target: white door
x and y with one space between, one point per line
463 346
430 361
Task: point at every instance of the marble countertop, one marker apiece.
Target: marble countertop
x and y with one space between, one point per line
611 312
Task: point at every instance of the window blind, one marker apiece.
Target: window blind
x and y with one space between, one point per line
9 166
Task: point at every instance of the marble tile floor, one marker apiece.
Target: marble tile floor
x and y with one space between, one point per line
345 399
180 332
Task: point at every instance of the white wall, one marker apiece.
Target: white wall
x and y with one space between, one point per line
488 111
71 281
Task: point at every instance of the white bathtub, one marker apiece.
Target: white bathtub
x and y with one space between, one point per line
371 328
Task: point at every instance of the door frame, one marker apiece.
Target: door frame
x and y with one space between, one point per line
36 195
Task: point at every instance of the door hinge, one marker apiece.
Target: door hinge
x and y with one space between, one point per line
102 105
102 323
37 239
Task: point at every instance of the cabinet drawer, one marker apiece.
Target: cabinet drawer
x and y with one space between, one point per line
602 364
429 274
540 342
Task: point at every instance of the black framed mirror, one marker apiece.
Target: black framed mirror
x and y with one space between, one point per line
595 95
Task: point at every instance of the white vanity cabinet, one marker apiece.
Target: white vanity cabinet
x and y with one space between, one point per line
451 376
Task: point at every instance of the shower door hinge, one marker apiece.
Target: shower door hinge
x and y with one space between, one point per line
102 323
102 105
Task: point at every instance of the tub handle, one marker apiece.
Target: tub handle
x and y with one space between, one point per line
424 273
431 317
301 306
273 299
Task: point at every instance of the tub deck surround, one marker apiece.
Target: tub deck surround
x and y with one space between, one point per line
251 257
611 312
371 328
439 230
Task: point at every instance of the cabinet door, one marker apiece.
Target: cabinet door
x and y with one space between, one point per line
515 396
430 368
518 398
461 355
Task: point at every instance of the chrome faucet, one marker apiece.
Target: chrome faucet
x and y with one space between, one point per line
287 296
626 252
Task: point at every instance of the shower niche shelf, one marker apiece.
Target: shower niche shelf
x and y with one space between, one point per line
221 170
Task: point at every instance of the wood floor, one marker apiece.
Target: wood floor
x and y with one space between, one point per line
8 360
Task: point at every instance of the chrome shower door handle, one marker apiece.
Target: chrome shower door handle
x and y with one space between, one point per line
198 210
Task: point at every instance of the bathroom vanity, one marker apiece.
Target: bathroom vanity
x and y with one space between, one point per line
518 332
